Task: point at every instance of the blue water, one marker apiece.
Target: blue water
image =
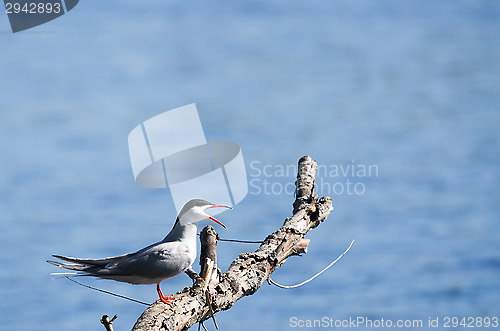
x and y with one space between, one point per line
410 88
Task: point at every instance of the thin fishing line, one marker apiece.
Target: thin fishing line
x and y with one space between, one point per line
107 292
240 241
319 273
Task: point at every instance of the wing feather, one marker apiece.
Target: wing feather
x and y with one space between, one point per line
149 265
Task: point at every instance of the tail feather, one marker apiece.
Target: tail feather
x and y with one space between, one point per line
76 267
107 268
67 274
93 262
89 267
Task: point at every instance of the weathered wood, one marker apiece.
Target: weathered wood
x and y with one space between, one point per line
208 239
192 274
108 324
249 271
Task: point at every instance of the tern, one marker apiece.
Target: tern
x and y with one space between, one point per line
155 263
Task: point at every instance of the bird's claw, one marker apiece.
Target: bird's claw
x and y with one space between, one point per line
164 299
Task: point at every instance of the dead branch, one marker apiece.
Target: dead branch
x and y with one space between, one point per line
108 324
208 239
192 274
249 271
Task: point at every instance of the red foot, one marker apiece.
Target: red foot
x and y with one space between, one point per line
164 299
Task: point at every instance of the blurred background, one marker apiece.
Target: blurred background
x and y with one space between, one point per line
409 88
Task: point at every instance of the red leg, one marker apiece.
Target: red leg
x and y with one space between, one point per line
164 299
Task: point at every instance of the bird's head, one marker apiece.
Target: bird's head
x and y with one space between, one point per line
194 211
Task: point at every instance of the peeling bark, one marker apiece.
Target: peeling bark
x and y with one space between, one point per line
249 271
208 239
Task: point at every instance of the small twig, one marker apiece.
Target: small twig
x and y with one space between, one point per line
310 279
107 292
209 267
208 272
209 302
301 246
108 323
192 274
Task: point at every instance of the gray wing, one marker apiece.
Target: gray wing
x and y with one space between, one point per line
79 264
150 265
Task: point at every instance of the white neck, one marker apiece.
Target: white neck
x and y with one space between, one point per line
188 232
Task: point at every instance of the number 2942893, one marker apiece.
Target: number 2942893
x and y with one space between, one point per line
33 8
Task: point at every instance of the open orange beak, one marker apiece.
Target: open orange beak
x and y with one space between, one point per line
213 218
